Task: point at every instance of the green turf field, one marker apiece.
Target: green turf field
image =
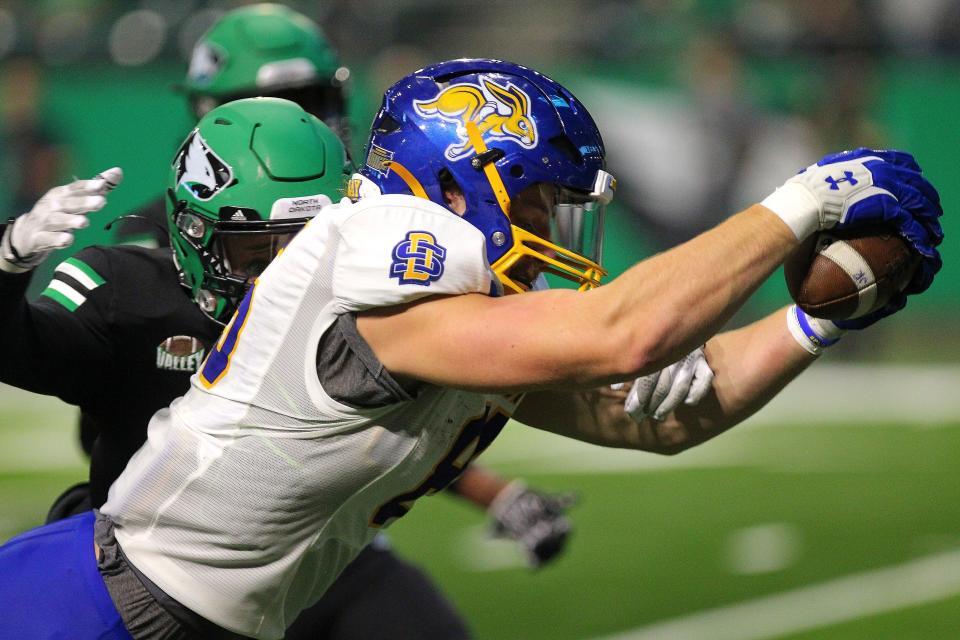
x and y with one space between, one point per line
775 531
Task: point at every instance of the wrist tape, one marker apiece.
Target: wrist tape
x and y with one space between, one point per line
813 334
797 207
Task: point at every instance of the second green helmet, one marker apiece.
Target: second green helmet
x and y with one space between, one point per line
268 50
249 176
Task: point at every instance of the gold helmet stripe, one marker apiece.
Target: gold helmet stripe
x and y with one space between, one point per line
493 177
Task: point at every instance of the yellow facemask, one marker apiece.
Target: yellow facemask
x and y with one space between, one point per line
568 210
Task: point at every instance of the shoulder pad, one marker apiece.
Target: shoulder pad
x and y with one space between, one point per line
399 248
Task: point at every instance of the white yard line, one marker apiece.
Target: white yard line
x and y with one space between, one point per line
923 581
868 394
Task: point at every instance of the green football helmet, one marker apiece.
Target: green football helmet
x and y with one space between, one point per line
268 50
247 178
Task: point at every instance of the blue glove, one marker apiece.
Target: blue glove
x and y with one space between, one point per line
861 188
897 302
900 198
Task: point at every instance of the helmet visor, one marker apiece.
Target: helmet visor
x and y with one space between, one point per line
245 256
559 231
246 249
576 220
234 252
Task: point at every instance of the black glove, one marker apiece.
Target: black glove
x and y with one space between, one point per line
536 520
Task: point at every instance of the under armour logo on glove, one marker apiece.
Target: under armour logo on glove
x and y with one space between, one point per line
889 191
847 177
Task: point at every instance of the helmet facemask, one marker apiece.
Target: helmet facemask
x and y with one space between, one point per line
219 260
559 231
569 247
246 179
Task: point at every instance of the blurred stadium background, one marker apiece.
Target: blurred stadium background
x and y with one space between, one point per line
832 514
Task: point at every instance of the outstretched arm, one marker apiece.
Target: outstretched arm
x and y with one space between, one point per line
661 308
751 365
642 321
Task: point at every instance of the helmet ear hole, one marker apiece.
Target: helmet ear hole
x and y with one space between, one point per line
452 192
387 124
566 146
516 171
447 181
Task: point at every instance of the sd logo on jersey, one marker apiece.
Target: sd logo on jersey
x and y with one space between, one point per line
200 169
418 259
500 113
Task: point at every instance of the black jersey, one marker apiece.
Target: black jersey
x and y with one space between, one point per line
115 334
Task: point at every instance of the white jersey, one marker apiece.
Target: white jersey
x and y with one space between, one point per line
258 487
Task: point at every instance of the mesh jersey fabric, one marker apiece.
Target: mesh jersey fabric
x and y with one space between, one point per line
256 489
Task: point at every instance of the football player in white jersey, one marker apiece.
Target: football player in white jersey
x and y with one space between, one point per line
271 50
386 348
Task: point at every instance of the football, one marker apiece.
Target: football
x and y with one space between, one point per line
180 346
839 275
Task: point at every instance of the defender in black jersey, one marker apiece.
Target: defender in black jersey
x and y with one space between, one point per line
119 331
117 334
128 350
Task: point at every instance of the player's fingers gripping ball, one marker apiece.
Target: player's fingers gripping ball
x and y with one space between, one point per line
910 205
883 217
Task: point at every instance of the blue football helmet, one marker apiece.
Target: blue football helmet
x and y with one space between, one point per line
495 128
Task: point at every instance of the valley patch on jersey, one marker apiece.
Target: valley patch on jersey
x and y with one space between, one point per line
72 282
180 353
